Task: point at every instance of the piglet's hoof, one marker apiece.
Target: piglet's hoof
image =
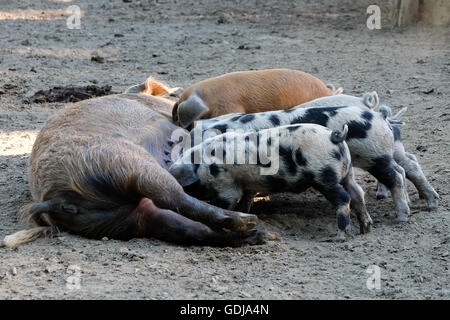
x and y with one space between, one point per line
243 221
381 196
365 228
402 218
432 204
365 225
342 235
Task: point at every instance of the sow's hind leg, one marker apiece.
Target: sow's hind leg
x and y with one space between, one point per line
168 194
170 226
144 220
136 174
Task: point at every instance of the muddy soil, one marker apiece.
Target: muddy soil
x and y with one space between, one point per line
181 42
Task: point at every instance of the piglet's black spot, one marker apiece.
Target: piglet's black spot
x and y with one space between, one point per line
384 171
367 115
396 132
357 129
316 115
336 155
293 128
300 158
275 120
235 118
343 221
221 127
328 176
214 169
286 156
247 118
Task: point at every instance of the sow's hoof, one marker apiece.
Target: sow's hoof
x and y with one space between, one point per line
242 221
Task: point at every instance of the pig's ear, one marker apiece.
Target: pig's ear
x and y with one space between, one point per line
175 112
154 88
136 89
150 87
191 110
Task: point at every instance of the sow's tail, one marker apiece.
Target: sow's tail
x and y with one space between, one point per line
339 136
31 212
116 223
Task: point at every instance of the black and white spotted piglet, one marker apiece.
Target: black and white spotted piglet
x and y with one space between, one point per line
370 140
406 160
308 155
411 166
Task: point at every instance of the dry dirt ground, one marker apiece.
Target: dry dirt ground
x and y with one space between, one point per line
182 42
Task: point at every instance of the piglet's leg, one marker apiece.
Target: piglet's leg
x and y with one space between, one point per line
358 202
415 174
385 171
170 226
341 200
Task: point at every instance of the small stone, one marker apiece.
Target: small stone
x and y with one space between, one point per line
421 148
13 271
444 292
348 247
222 19
221 290
105 239
9 86
98 59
